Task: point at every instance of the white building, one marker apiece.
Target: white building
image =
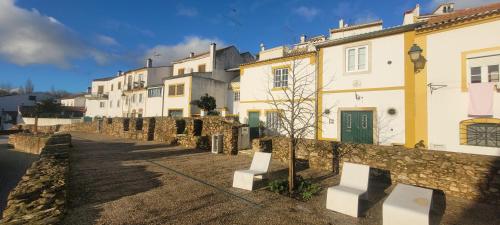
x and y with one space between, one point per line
199 74
74 100
125 95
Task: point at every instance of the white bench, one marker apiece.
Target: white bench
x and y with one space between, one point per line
345 197
408 205
260 164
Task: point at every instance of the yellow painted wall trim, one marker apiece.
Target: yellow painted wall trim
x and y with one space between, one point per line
461 24
310 55
420 107
464 82
319 79
465 123
269 101
409 39
366 89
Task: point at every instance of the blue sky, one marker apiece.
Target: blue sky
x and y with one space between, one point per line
65 44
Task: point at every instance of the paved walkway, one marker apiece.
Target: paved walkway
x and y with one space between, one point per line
13 165
117 181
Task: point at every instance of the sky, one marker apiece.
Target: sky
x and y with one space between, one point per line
65 44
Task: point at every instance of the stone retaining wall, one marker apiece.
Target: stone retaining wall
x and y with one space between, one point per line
40 196
474 177
162 129
34 144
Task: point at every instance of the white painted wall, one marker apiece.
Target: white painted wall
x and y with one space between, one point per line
49 121
154 106
380 74
448 106
10 103
77 101
178 102
192 65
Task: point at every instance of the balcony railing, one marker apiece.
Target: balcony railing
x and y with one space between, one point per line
96 96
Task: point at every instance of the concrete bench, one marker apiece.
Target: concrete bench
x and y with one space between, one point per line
408 205
260 164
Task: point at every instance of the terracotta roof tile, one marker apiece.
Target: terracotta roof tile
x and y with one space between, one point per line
462 14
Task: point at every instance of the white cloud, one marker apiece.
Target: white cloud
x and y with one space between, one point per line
307 12
186 11
106 40
28 37
459 4
165 54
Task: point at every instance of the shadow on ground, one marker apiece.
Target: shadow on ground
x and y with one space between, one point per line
100 172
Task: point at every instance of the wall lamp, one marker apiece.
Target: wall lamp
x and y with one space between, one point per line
416 57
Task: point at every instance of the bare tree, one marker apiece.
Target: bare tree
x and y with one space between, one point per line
292 94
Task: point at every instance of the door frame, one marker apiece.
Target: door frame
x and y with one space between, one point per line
365 109
248 118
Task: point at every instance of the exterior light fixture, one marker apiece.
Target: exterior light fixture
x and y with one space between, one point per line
416 57
415 53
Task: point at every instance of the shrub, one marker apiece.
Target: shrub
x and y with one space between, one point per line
279 186
305 190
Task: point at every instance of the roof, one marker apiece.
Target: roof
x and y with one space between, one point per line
203 54
373 34
462 15
194 74
356 26
104 78
128 71
74 96
289 55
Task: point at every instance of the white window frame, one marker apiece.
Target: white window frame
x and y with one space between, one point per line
279 80
237 96
356 59
272 120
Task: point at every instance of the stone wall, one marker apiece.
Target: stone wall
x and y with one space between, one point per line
162 129
34 144
40 196
474 177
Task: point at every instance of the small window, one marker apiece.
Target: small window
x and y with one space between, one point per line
119 85
112 87
180 89
100 89
280 78
202 68
357 59
493 73
171 90
180 71
133 98
475 74
175 113
102 104
483 134
236 96
272 120
154 92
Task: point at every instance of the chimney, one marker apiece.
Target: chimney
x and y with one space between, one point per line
212 51
341 23
119 73
262 47
302 38
149 63
191 55
89 90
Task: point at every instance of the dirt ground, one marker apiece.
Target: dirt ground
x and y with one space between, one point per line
118 181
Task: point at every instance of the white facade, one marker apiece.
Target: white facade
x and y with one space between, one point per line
450 54
377 88
76 101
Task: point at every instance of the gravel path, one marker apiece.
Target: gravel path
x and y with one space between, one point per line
117 181
13 165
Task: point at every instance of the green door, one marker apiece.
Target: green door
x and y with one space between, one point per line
357 127
253 123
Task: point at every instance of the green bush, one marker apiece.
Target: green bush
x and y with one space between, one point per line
279 186
305 189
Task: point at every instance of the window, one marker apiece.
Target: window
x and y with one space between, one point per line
176 90
493 73
154 92
180 71
272 120
483 134
102 104
175 112
280 77
475 74
140 98
357 59
119 85
100 89
202 68
236 96
111 87
133 98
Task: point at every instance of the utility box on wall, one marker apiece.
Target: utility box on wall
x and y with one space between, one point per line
244 138
217 143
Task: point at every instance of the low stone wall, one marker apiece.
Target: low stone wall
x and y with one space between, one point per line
468 176
40 196
34 144
197 131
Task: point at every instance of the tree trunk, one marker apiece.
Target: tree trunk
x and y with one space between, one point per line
291 166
